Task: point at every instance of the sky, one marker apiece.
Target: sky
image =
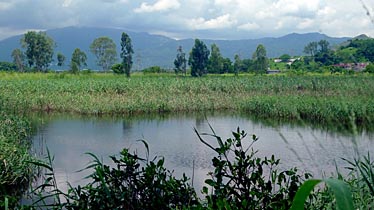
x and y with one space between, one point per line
213 19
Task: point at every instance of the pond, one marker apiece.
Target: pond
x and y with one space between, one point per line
313 149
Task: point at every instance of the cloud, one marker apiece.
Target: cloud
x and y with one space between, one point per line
220 22
228 19
161 5
249 26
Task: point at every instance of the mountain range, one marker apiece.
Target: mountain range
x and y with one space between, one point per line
157 50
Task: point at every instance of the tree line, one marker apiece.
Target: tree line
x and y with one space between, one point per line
39 49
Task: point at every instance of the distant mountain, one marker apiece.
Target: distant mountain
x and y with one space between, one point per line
160 50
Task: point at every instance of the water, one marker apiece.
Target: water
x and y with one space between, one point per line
68 138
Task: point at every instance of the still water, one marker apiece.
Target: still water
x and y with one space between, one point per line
68 138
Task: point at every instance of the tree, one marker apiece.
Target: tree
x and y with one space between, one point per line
39 49
260 59
215 64
60 59
324 46
198 60
227 66
180 61
285 57
311 49
105 51
238 64
126 53
78 59
18 59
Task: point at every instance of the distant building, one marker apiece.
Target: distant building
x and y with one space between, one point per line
352 66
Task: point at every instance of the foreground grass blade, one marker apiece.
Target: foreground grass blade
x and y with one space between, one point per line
340 189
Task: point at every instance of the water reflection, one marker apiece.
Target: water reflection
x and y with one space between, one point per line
172 137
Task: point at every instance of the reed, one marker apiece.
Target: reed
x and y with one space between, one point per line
321 98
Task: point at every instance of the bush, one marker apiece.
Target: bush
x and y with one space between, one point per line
243 181
153 69
118 68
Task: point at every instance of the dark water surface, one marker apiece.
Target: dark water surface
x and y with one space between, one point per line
310 149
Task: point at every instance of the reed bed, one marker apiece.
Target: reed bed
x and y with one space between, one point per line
335 98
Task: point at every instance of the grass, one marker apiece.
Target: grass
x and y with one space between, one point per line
338 99
333 98
15 171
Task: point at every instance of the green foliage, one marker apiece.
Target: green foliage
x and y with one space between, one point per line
104 49
365 49
245 181
126 53
153 69
6 66
118 68
340 189
78 59
18 59
311 49
133 183
39 49
60 59
309 97
16 173
285 57
180 62
261 62
199 58
215 63
369 68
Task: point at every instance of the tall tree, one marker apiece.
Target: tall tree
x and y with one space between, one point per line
324 46
78 59
126 53
19 59
39 49
260 59
311 48
105 51
180 61
199 57
60 59
238 64
215 64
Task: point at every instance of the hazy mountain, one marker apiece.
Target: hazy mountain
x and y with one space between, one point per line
160 50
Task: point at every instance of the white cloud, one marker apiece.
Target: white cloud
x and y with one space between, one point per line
5 5
249 26
220 22
228 19
305 24
161 5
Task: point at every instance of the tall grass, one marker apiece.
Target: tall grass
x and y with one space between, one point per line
315 98
15 172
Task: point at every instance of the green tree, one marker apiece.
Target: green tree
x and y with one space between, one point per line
60 59
238 64
311 49
118 68
18 59
215 64
39 49
180 62
285 57
324 46
126 53
78 59
198 60
105 51
260 59
227 66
